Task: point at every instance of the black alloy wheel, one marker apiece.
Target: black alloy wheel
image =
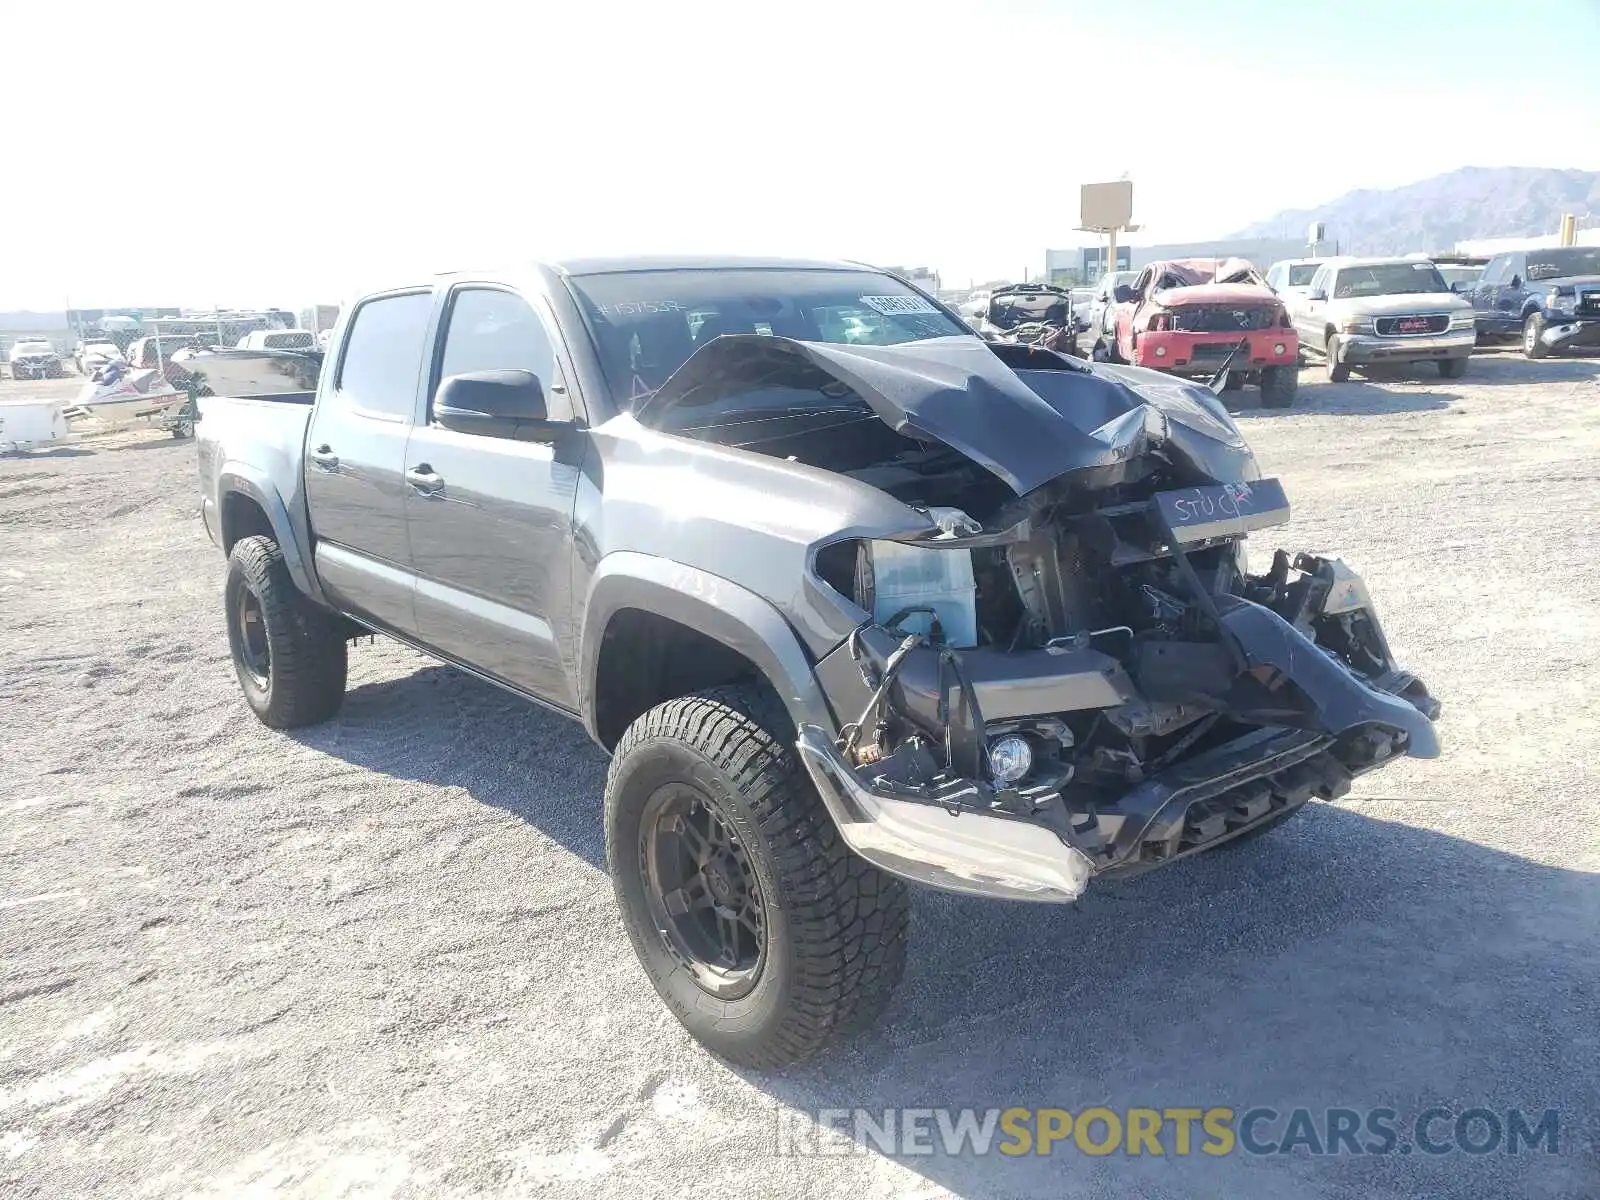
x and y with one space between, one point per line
250 625
701 890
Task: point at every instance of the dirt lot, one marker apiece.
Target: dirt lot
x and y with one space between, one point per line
381 958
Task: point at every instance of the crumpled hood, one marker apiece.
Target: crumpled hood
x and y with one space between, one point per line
1216 293
1025 424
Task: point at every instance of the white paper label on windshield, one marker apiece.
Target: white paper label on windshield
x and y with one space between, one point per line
898 306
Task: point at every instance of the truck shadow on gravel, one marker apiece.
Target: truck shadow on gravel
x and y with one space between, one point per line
441 726
1516 371
1339 961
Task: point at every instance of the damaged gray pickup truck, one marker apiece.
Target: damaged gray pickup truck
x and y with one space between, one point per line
852 597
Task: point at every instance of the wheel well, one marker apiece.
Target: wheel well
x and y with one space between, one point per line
646 659
242 517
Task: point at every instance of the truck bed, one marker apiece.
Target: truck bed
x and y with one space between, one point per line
266 432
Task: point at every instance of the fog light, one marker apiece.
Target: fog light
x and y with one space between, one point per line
1161 351
1010 758
1278 348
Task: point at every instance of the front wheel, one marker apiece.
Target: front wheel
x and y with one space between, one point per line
1278 386
1532 344
765 936
290 656
1338 372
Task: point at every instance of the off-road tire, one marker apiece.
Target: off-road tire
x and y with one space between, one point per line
836 926
1532 347
1338 372
1453 368
1278 386
308 653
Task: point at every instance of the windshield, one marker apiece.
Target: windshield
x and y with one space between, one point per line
1388 279
1571 260
35 347
1300 276
646 323
1455 275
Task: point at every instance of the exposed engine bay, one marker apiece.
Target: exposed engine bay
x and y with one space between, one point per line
1069 636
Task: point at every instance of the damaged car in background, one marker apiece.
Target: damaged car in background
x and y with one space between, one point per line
852 597
1189 316
1031 313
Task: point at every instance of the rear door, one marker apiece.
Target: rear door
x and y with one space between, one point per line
355 459
491 517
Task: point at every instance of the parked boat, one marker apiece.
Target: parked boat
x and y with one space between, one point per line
253 371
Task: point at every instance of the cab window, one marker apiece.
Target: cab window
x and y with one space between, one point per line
383 354
489 329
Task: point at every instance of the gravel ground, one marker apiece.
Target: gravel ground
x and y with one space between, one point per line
381 958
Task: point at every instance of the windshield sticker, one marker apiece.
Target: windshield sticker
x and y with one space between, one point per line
898 306
639 308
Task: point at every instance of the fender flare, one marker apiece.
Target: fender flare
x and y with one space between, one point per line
238 478
719 608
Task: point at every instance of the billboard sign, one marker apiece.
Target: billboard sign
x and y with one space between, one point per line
1105 205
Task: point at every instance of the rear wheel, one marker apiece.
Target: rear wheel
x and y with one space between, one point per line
290 656
1338 372
1453 368
762 933
1278 386
1532 346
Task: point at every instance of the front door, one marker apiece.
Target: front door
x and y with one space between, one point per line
1309 313
355 459
491 518
1509 297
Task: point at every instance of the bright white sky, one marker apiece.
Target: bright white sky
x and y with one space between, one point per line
284 152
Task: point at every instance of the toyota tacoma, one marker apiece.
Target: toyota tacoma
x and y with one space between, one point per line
851 597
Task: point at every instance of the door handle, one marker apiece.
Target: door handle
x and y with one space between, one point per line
423 478
325 458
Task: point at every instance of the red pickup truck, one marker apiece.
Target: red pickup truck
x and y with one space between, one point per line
1186 316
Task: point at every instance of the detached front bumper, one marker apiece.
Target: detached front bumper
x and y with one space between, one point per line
1369 348
1571 333
1184 353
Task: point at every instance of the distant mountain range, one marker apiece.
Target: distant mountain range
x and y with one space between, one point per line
1473 202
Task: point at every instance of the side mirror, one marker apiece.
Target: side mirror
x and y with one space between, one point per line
496 403
1316 294
1458 286
1516 281
1123 294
